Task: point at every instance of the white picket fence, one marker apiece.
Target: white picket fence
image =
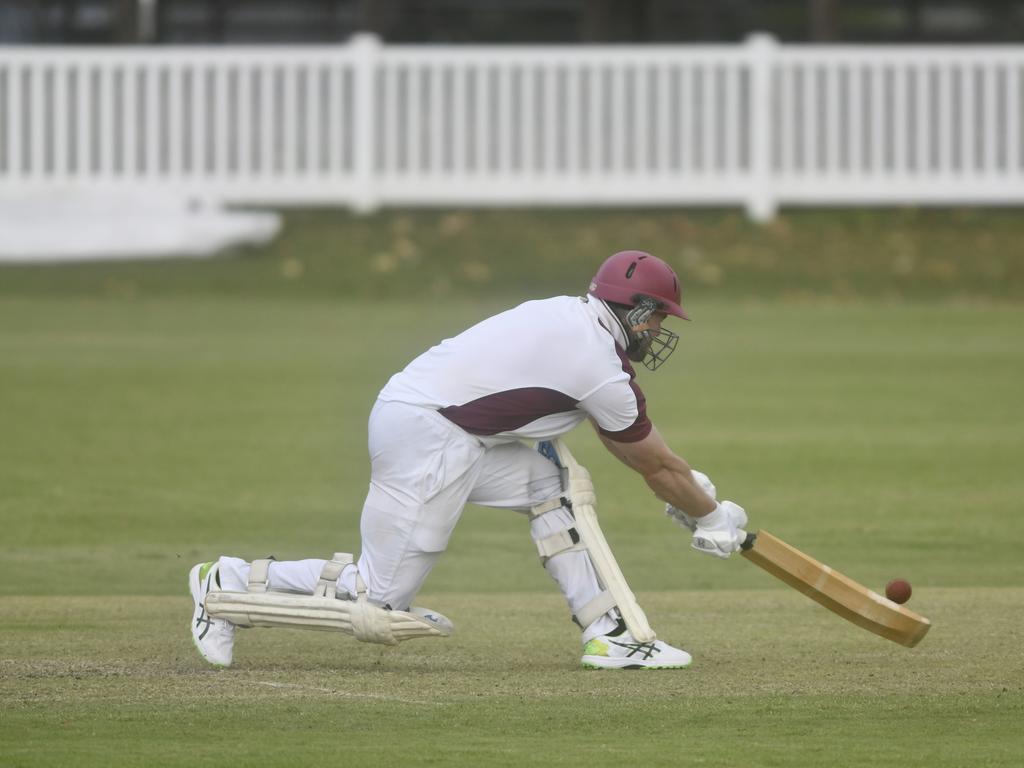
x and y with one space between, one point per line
364 124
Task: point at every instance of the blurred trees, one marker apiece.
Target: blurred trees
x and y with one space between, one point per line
509 21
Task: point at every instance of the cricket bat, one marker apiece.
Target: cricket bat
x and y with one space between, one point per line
840 594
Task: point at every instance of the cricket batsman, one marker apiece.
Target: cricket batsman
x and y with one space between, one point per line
459 425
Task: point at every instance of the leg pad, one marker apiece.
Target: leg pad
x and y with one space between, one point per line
581 495
323 610
367 622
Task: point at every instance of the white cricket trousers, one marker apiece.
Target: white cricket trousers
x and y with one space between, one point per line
424 470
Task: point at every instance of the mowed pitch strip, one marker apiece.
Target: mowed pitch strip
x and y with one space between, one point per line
840 594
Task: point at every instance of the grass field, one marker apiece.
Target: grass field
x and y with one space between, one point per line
146 430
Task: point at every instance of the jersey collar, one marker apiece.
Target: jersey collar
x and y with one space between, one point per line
608 320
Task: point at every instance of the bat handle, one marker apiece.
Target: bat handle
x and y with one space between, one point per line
748 540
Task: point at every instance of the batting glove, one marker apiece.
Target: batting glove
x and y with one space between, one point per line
719 533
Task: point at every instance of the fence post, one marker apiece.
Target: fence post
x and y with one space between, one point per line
366 52
761 203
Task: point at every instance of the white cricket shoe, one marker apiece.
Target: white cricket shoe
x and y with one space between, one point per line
622 651
214 638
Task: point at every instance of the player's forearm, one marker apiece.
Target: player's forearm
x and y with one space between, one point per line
665 473
676 485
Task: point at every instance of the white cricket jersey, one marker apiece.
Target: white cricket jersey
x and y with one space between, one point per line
533 372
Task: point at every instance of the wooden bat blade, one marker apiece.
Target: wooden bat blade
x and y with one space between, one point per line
840 594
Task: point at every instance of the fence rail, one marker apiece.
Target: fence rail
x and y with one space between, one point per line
364 125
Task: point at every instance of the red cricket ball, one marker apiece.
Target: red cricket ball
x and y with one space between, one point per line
898 590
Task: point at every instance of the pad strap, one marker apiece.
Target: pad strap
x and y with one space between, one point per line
559 543
328 584
259 575
548 506
594 609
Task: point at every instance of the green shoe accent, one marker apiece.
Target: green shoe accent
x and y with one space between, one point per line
205 569
595 647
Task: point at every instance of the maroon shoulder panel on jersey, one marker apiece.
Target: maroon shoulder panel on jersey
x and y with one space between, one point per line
642 427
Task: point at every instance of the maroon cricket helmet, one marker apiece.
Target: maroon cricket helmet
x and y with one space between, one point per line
627 274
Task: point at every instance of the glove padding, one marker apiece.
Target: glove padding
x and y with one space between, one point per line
682 519
718 533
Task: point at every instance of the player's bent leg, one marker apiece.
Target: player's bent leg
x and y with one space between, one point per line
579 489
423 468
515 476
620 650
213 637
566 559
573 549
606 642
